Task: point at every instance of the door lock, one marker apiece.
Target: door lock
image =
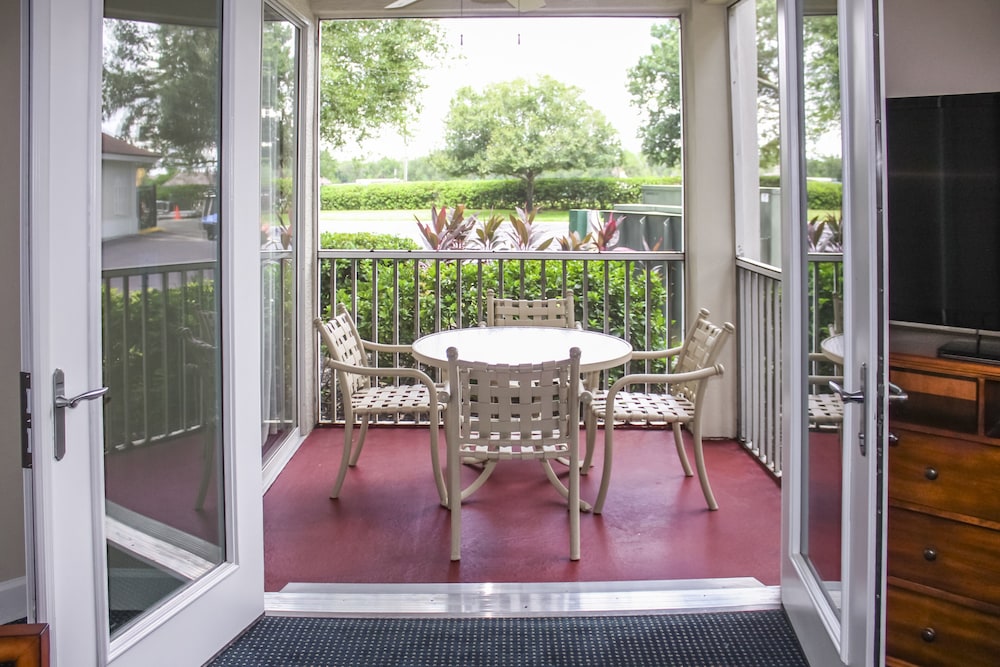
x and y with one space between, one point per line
60 403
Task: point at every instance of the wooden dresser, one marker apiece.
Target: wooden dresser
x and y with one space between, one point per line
943 604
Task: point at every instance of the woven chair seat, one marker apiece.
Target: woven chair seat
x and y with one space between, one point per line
825 409
646 409
404 398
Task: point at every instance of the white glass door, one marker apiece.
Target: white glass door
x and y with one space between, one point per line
148 517
836 604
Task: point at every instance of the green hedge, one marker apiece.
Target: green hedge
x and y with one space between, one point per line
622 288
820 195
550 193
185 197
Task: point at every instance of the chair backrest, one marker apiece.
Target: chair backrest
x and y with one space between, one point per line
555 312
344 344
494 406
700 349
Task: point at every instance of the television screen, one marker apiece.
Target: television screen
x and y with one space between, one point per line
943 207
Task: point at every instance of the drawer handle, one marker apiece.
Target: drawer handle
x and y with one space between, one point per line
931 473
930 554
928 635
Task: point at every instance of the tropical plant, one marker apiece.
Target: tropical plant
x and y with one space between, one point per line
825 234
487 234
572 241
447 232
603 234
522 233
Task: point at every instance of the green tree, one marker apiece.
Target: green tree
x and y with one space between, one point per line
654 84
519 129
162 82
370 75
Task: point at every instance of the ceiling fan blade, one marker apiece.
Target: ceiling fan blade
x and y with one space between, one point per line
526 5
399 4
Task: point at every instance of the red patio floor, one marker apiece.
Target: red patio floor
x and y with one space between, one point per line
388 527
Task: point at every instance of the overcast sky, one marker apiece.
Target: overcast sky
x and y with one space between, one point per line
593 54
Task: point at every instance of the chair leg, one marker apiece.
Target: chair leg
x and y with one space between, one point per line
207 465
681 452
590 434
362 432
609 430
345 456
455 499
699 460
574 504
442 490
558 483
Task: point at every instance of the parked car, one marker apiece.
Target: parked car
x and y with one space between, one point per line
210 215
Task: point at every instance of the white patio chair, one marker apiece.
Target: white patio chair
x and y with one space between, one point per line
499 412
200 358
364 398
553 312
826 408
679 404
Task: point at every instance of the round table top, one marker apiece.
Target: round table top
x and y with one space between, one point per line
523 345
833 348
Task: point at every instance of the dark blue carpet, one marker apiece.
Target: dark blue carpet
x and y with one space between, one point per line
737 639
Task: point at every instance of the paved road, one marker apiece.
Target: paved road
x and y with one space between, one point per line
174 242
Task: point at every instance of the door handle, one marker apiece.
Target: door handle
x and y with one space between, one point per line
897 394
60 403
847 396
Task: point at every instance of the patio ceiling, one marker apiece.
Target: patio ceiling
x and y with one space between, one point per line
487 8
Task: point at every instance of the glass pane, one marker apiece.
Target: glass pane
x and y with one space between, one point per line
278 218
823 454
161 358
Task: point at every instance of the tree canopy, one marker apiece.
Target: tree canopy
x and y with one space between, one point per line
654 84
370 75
163 82
520 129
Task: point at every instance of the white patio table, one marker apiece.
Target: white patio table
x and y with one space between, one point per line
523 345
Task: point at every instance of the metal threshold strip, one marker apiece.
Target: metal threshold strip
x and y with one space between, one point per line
522 599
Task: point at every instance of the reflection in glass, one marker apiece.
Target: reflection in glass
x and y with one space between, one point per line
160 268
823 450
278 211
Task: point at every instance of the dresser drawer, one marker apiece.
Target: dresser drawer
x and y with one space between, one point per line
947 555
946 473
930 632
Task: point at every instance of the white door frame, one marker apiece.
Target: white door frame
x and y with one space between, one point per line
64 323
855 635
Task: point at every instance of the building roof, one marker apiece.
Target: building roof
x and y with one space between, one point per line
112 146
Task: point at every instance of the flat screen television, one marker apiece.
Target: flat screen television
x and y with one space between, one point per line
943 207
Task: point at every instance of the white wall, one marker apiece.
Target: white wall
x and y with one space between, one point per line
941 48
708 188
119 216
12 568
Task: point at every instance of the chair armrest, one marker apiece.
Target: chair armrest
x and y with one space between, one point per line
387 371
386 347
663 378
657 354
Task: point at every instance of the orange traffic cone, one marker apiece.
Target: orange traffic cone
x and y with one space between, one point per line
177 212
